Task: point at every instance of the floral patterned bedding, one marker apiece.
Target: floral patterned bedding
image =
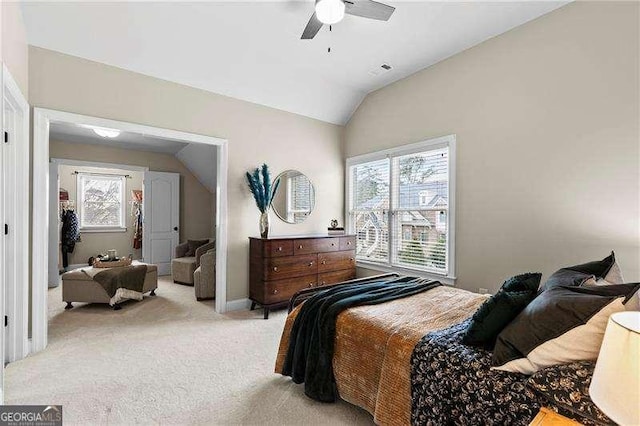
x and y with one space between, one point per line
567 387
452 383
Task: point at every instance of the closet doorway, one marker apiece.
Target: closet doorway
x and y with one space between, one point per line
67 178
47 193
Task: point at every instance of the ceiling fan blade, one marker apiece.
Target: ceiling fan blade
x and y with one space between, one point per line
369 9
312 28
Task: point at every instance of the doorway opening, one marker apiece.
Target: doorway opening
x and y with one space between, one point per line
135 192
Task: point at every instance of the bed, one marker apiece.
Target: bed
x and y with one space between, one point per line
403 362
374 344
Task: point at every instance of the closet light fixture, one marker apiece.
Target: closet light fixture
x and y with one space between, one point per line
106 133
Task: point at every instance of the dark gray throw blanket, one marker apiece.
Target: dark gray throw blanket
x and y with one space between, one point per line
128 277
311 343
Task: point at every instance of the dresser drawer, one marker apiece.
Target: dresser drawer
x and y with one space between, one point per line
277 248
316 245
347 243
290 266
282 290
336 277
336 261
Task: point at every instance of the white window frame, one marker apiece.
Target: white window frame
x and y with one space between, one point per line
427 145
80 203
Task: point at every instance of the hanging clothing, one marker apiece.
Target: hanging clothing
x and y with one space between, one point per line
136 195
137 229
70 234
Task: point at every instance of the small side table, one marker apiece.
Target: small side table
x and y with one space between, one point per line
548 417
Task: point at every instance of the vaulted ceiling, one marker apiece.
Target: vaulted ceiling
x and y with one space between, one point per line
252 50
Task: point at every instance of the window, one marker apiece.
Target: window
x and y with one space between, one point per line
424 200
299 198
401 206
101 203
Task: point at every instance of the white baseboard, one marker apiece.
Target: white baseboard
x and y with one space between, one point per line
238 305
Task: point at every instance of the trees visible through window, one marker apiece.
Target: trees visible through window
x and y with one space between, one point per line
101 201
399 206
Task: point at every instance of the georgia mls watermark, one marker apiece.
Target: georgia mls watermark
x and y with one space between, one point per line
30 415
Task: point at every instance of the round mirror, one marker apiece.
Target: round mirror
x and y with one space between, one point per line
295 198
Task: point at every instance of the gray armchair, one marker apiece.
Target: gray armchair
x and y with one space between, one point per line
183 266
205 276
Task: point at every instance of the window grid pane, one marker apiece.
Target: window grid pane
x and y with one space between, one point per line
370 218
404 223
101 199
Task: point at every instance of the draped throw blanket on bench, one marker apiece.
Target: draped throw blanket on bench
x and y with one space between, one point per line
120 283
311 343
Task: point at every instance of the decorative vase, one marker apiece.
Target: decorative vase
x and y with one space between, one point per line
264 224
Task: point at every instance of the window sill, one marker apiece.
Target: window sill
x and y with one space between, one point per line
101 230
444 279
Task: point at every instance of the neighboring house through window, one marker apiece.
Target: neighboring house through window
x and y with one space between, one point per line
401 207
101 202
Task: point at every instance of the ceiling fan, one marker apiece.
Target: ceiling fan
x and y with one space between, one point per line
329 12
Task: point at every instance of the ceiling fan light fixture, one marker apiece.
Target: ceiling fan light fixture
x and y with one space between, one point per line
330 11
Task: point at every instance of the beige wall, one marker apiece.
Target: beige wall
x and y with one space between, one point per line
547 124
93 243
256 134
196 202
14 51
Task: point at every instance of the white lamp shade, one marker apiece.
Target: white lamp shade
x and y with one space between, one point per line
615 386
330 11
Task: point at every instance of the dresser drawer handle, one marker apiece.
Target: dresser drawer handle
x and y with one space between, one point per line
348 243
351 259
333 244
279 248
310 284
324 262
275 269
300 246
310 263
324 282
275 291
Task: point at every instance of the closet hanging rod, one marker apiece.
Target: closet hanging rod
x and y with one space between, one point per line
101 174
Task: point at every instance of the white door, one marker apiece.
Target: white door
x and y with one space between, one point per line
54 225
3 264
9 224
161 218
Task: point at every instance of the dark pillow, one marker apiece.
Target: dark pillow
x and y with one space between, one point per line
566 386
523 282
193 246
570 319
494 315
500 309
576 275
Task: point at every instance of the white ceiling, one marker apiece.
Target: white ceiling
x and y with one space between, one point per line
252 50
73 133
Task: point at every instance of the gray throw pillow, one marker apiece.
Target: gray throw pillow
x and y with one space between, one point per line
193 246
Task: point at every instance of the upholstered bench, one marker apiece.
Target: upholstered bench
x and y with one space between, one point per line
77 286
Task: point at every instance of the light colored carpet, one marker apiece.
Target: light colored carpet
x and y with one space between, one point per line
167 359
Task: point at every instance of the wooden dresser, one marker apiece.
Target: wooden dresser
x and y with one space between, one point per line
281 266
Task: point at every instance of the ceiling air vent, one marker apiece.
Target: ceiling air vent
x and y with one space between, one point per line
381 69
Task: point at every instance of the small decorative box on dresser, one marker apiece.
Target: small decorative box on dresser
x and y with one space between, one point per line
281 266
